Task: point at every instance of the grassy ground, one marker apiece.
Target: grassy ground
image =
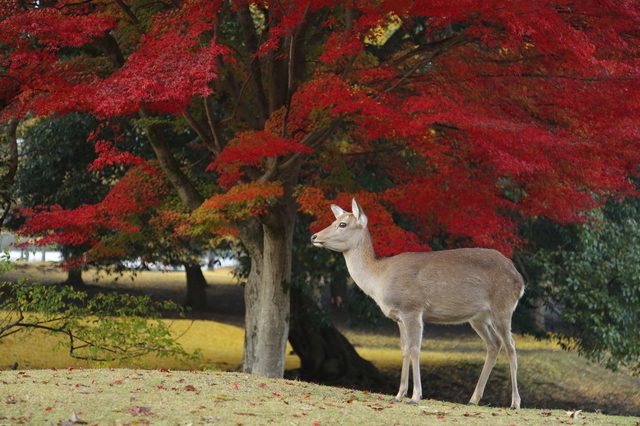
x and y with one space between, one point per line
161 397
548 377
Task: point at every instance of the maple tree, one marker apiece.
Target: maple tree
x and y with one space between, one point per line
461 119
81 202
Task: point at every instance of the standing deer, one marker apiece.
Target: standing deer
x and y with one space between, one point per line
474 285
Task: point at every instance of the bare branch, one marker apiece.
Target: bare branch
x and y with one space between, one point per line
127 10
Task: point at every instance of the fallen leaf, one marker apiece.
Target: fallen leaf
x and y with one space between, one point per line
574 414
190 388
136 411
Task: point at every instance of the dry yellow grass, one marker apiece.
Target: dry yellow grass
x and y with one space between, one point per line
220 346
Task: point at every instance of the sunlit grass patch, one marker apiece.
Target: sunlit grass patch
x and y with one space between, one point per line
219 344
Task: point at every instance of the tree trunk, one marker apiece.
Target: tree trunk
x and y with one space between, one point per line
539 313
196 288
326 355
74 277
267 303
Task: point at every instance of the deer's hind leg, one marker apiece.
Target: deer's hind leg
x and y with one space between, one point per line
485 329
503 329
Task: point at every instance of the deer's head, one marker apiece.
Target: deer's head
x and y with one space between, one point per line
345 232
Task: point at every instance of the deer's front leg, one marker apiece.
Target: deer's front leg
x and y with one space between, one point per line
413 338
404 376
410 326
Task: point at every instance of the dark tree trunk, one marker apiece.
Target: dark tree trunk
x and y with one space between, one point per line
196 288
326 355
74 277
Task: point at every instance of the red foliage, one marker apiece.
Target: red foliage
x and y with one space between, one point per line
141 190
482 114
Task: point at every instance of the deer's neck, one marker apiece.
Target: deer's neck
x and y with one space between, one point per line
363 265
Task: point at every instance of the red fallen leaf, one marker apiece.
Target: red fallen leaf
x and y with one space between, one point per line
48 409
189 388
164 371
275 394
263 385
235 386
135 411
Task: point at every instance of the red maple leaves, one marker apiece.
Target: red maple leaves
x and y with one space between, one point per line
464 119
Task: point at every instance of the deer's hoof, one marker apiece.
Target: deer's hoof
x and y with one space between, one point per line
395 400
471 403
412 402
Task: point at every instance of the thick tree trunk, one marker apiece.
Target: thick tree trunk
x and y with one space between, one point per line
252 238
267 303
273 305
74 277
196 288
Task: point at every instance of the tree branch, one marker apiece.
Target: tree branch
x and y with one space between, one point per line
127 10
443 46
254 73
188 193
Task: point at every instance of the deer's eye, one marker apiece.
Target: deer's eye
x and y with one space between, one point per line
342 225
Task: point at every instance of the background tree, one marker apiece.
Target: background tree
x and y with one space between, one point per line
589 280
473 116
54 170
8 164
61 169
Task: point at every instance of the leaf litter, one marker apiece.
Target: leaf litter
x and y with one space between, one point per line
109 397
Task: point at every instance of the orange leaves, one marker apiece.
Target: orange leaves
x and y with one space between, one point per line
218 213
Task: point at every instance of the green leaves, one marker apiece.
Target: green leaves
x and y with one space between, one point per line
594 287
109 327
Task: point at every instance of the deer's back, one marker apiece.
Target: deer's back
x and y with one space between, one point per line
450 286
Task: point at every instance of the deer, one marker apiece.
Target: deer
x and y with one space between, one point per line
475 285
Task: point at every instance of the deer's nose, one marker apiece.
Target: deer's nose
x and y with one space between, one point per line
313 238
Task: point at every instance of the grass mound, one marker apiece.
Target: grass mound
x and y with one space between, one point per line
132 397
548 377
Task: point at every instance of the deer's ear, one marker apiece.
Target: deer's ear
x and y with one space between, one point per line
358 213
337 211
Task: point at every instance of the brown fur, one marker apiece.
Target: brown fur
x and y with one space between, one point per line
474 285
